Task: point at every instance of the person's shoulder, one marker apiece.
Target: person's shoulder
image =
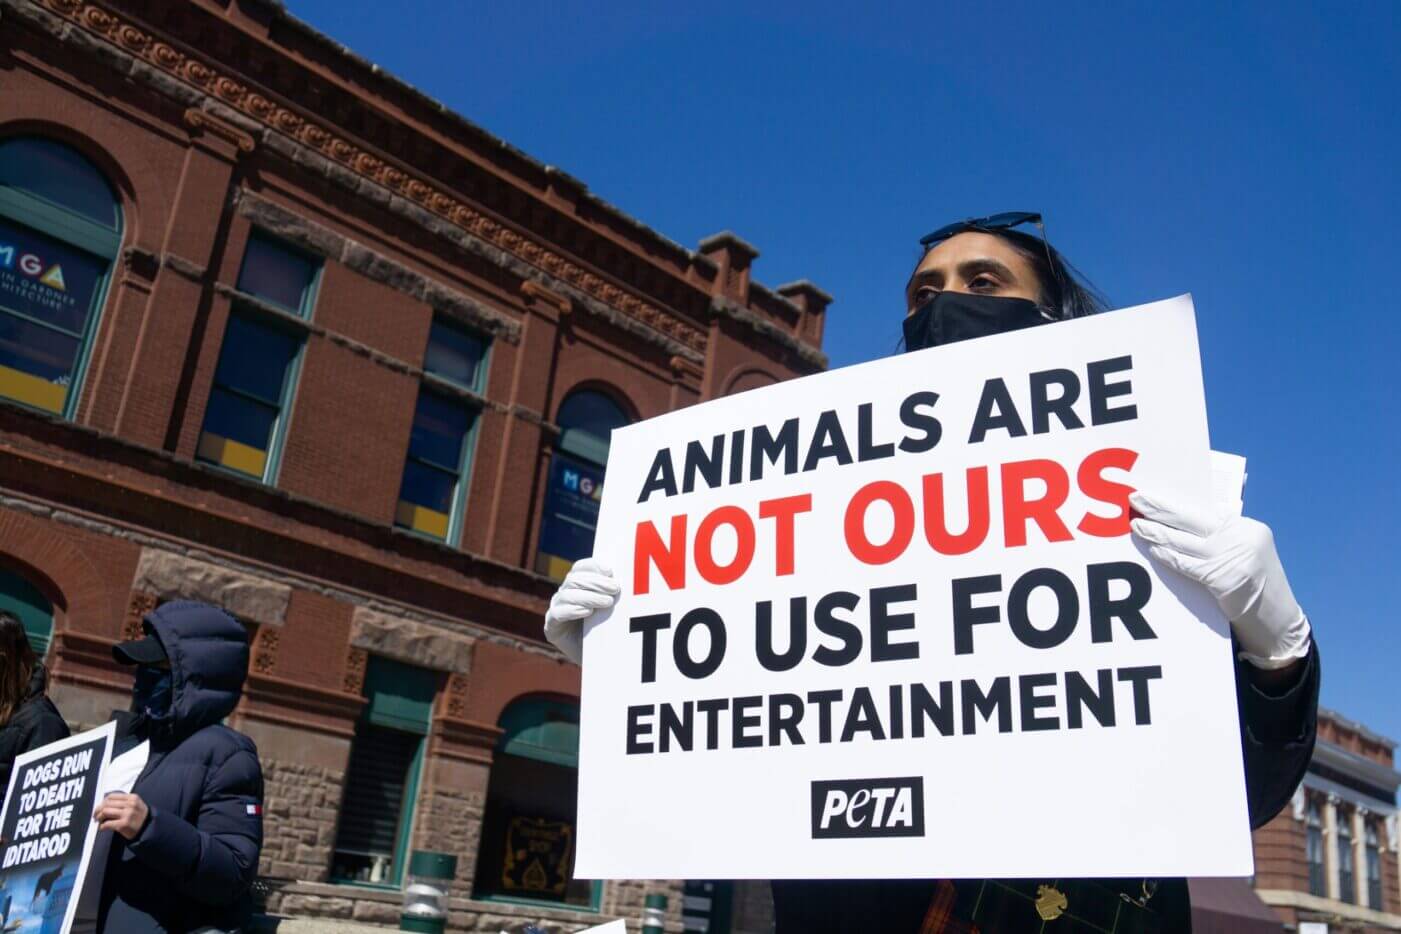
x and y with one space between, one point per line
219 742
36 713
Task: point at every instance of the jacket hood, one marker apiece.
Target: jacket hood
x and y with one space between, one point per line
208 652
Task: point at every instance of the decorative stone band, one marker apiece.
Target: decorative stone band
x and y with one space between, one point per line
169 576
1328 907
144 58
299 324
410 641
315 238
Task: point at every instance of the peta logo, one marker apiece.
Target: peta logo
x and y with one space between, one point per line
868 807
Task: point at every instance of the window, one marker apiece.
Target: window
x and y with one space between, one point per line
1374 869
1313 846
435 470
278 274
246 416
527 844
251 388
1347 876
60 229
21 598
381 781
586 420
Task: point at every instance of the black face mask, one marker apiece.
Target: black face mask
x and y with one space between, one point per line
950 317
150 694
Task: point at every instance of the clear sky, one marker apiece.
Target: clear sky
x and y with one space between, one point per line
1247 153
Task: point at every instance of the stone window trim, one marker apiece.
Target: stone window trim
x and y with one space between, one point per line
166 575
423 645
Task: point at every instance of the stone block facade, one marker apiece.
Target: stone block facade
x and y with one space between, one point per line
299 819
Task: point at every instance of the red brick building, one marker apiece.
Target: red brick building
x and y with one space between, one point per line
281 333
1328 863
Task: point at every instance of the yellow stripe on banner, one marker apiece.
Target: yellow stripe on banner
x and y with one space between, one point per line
233 454
422 519
558 567
32 390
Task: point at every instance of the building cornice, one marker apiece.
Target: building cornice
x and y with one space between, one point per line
322 148
1340 793
1359 767
1353 726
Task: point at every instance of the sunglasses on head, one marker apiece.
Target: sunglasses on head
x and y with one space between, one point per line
1003 221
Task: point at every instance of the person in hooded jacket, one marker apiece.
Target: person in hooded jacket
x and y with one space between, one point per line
28 719
184 843
982 277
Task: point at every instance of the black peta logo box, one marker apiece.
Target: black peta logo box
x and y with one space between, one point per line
868 807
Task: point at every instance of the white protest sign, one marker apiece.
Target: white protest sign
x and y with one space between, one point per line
48 829
888 621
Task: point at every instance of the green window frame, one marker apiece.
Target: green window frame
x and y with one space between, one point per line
438 462
20 597
45 226
250 402
397 717
574 490
262 284
539 730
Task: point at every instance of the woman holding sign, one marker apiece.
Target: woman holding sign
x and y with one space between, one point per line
28 719
982 277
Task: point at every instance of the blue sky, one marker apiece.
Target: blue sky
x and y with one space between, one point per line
1247 153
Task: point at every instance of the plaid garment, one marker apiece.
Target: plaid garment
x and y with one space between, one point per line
993 906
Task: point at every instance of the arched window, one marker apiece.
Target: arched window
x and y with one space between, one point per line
586 421
60 229
23 599
527 842
1313 850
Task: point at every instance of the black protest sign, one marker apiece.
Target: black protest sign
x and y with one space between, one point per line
48 829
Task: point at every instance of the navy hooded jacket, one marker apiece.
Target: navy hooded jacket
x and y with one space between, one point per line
194 862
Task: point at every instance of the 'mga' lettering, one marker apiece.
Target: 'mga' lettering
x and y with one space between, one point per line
868 807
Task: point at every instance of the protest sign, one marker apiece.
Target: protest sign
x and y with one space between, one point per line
888 621
48 829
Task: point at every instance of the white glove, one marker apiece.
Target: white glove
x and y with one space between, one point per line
1235 560
587 588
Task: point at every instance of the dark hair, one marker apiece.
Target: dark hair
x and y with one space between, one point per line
17 663
1065 293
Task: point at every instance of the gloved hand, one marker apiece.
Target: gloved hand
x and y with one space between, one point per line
1235 560
587 588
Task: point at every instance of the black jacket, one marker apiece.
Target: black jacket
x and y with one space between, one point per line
36 723
194 862
1277 737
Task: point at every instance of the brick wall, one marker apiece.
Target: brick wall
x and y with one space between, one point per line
1280 856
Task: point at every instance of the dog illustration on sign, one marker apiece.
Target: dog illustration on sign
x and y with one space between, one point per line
45 883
